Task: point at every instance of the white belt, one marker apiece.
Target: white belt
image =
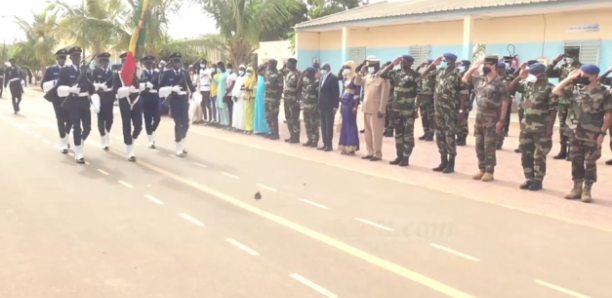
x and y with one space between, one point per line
14 79
152 91
182 93
82 94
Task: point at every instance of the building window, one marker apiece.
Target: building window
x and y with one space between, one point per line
420 54
589 50
357 55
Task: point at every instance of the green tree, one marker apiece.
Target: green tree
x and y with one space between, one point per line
321 8
41 41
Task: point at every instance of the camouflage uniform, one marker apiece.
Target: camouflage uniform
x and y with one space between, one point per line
428 86
564 102
274 89
490 96
504 133
463 129
407 86
538 102
310 97
585 118
292 109
447 95
389 127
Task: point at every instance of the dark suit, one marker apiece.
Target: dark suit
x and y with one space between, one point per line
329 94
150 100
107 99
179 102
77 104
130 108
63 118
12 79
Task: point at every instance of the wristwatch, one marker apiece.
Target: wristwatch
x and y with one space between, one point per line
461 111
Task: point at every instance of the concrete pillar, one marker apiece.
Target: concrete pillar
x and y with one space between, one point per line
468 44
345 44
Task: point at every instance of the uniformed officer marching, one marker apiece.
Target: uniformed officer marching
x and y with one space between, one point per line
49 82
1 79
12 79
103 82
75 87
150 98
130 107
173 87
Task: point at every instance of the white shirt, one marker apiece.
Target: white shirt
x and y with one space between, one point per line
238 86
205 79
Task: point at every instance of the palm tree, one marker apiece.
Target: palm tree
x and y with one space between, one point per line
241 23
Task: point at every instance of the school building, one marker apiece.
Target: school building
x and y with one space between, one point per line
531 29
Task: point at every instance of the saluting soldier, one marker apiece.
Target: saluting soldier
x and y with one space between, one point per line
507 76
12 76
407 86
462 128
571 62
290 104
523 66
175 84
75 87
130 107
539 106
272 96
103 82
428 85
493 102
150 98
49 82
308 95
589 118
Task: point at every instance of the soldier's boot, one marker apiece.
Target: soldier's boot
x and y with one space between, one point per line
517 150
487 177
388 132
609 162
563 152
308 143
295 139
526 184
443 163
429 137
478 176
405 161
450 167
576 192
536 185
568 155
397 160
288 140
461 140
423 136
586 193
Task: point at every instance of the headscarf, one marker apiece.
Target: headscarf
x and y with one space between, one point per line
351 66
250 81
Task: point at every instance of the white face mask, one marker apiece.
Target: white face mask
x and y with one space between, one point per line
461 68
248 74
569 60
241 72
371 69
346 71
531 78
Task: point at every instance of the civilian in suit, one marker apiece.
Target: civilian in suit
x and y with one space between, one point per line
376 94
329 95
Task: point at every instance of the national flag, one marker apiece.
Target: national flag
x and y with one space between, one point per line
136 43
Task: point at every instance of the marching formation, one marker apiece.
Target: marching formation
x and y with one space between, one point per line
77 90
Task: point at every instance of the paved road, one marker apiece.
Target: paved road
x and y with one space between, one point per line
171 227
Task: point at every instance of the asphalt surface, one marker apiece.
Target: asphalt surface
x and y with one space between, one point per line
190 227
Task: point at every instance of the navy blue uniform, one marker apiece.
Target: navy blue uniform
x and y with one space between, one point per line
107 99
77 104
61 115
150 100
12 79
1 81
131 111
179 102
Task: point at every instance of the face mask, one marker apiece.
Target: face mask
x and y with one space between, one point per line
248 74
461 68
486 70
214 69
229 71
241 72
323 72
531 78
203 65
569 60
371 69
444 64
346 71
584 81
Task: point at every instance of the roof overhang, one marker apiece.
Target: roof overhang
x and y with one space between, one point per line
457 15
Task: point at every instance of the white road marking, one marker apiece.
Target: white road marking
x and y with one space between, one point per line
118 138
313 286
373 224
267 187
57 147
38 137
230 175
454 252
154 199
313 203
70 153
126 184
87 163
243 247
28 132
191 219
103 172
560 289
199 165
46 141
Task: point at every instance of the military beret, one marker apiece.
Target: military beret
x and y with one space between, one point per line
572 51
103 56
407 57
532 62
147 59
430 60
175 56
590 69
501 65
491 59
61 52
537 68
450 56
292 60
123 56
310 69
466 62
75 51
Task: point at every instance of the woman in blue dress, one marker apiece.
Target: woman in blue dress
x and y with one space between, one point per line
260 125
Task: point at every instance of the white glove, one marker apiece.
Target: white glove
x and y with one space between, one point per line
97 86
75 90
133 89
176 89
141 87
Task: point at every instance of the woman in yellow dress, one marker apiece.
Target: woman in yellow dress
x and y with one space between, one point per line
248 95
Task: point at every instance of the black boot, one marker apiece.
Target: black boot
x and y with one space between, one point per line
563 152
461 140
423 136
535 185
450 167
429 137
443 163
396 161
405 161
568 155
526 184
